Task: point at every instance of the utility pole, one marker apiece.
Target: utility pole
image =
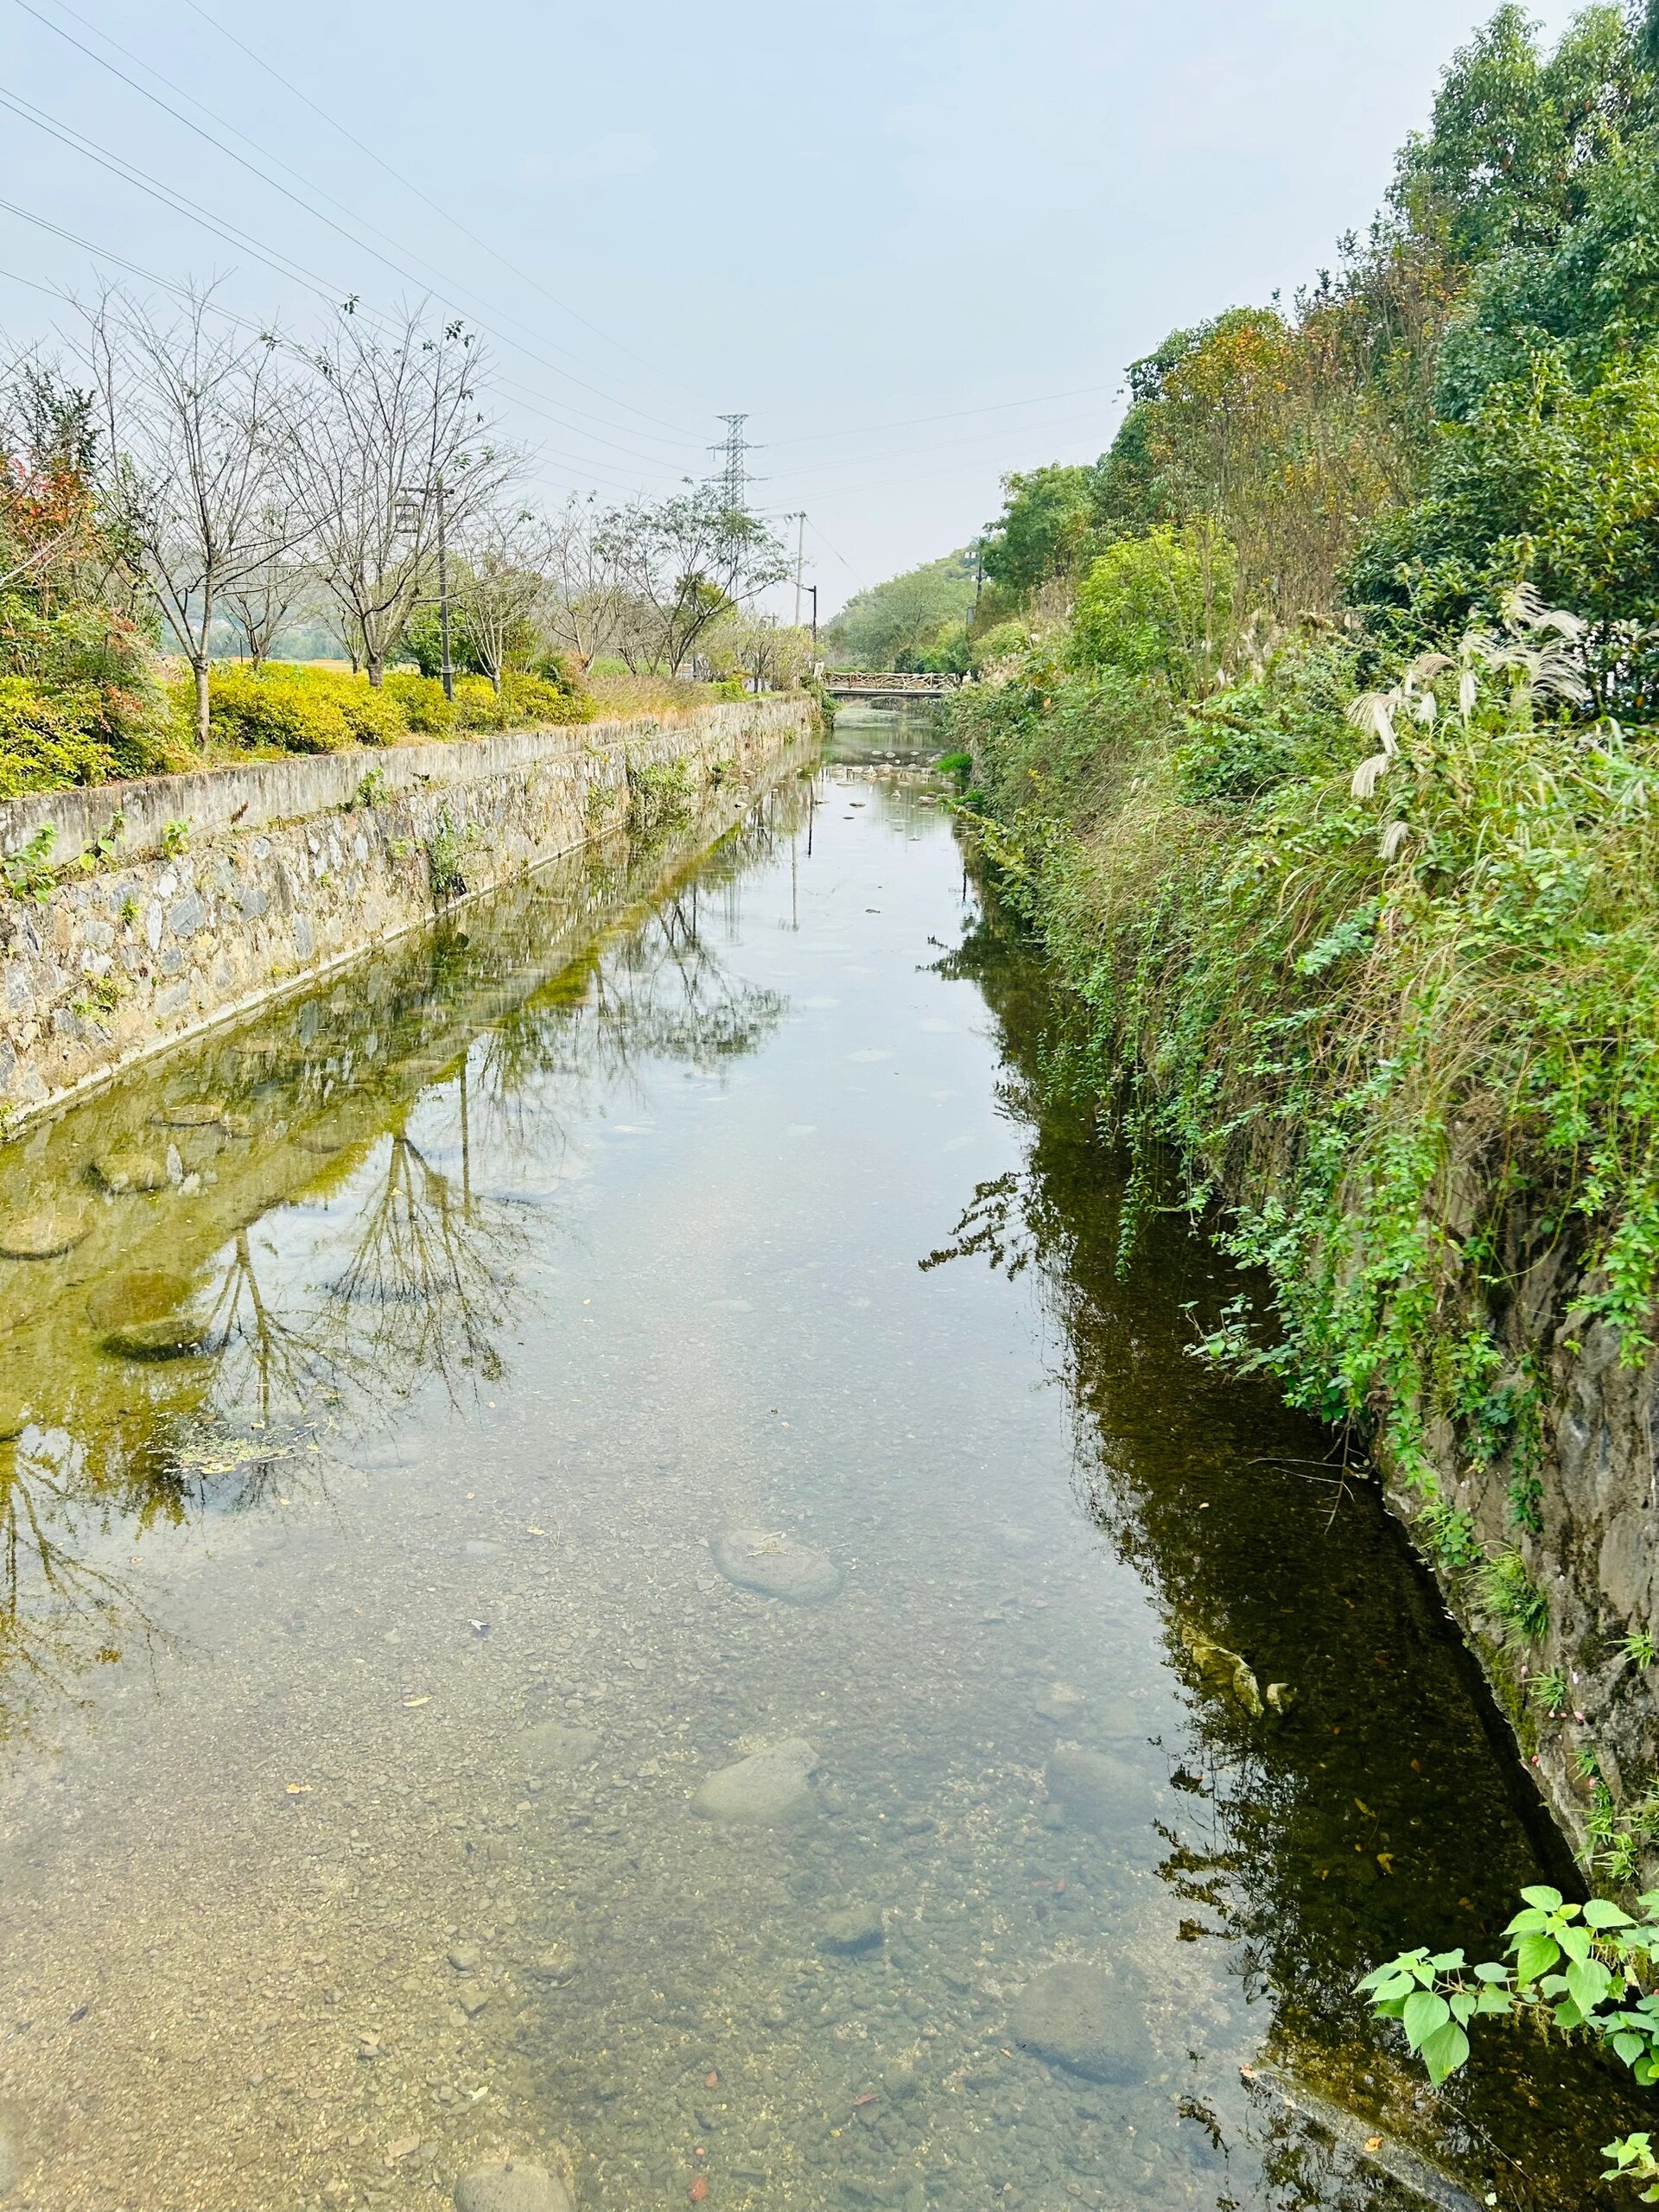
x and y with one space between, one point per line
799 521
814 590
446 672
979 575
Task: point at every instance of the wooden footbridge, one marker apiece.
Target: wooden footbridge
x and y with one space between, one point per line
886 686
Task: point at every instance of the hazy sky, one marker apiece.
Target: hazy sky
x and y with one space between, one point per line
837 219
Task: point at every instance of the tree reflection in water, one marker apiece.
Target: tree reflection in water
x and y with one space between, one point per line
417 1111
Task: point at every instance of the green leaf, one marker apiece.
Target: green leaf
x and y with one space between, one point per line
1602 1912
1588 1982
1489 1972
1630 2047
1447 1961
1463 2005
1575 1941
1425 2013
1527 1924
1548 1899
1444 2052
1534 1955
1493 2001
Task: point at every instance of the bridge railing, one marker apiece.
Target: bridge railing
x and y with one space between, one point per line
894 681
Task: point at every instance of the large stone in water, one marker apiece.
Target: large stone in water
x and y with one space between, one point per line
512 2185
174 1336
552 1747
777 1566
121 1172
766 1790
1084 2019
1100 1792
203 1114
42 1237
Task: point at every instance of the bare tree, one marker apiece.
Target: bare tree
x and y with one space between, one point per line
581 609
263 600
501 583
689 560
767 651
394 439
191 412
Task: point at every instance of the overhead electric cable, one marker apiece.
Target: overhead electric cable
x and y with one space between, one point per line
350 237
427 201
914 421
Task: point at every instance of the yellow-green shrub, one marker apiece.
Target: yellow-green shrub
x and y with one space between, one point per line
421 700
48 743
296 709
535 701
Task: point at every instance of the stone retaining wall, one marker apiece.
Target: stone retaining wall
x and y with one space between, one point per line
218 889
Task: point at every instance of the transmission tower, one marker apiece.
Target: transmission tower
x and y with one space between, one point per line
733 476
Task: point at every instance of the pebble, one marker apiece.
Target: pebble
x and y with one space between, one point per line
776 1564
472 1997
464 1958
1059 1701
1084 2019
554 1965
1099 1792
510 2185
857 1929
42 1237
766 1788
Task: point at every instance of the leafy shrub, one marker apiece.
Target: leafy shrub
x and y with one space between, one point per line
1160 605
536 701
47 744
420 698
264 710
95 668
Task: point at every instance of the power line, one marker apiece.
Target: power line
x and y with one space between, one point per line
513 268
915 422
316 213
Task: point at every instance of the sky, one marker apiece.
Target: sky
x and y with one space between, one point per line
914 244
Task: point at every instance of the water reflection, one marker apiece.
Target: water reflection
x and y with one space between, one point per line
1377 1801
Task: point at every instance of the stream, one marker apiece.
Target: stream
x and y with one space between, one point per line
600 1564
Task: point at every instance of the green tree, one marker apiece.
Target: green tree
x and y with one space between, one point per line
1160 605
897 624
1515 136
1043 529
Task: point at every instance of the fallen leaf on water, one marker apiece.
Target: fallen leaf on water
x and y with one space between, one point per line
698 2190
411 1703
1373 2142
1385 1860
298 1790
532 1530
868 2098
1365 1808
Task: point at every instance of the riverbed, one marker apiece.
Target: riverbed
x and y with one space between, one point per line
605 1567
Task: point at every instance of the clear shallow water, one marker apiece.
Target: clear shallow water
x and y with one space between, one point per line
368 1641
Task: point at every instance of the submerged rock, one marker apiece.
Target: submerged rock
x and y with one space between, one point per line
765 1790
174 1336
123 1173
1059 1701
857 1929
1096 1789
777 1566
1084 2019
553 1747
204 1114
42 1235
512 2185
